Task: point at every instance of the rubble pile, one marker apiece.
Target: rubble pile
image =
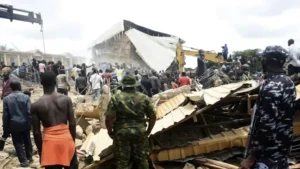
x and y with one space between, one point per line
200 129
195 129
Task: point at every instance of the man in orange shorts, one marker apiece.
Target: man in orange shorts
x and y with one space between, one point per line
55 111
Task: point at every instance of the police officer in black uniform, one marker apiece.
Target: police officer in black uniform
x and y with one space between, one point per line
272 129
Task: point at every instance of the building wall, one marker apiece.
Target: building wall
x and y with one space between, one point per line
19 58
119 50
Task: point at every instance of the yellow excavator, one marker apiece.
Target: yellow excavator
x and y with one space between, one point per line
193 52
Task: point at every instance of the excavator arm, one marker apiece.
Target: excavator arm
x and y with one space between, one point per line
181 54
8 12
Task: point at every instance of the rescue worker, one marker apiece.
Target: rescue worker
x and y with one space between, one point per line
272 130
126 124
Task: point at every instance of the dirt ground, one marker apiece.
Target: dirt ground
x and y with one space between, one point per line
8 158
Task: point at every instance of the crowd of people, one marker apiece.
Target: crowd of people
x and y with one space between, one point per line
129 111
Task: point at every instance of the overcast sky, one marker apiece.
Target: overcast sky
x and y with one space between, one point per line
72 25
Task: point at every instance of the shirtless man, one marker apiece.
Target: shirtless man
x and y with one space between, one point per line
55 111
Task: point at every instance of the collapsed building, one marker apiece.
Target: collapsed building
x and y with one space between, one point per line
206 128
203 127
132 44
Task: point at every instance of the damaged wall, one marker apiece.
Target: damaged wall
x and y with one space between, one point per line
118 50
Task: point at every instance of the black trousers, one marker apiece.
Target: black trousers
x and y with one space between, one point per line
155 91
225 56
23 146
73 165
62 91
293 70
82 91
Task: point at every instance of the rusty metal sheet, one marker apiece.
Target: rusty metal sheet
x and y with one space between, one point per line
215 94
221 141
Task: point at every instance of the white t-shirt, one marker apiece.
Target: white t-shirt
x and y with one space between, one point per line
95 80
76 70
294 56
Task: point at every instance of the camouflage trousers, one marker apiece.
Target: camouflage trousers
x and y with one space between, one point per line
131 144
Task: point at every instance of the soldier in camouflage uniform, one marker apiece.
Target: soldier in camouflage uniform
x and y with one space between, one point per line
272 129
126 124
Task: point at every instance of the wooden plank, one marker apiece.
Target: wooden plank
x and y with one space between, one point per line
217 163
94 165
158 167
296 166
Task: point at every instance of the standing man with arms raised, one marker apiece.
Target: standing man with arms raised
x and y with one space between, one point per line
271 132
126 124
55 111
17 120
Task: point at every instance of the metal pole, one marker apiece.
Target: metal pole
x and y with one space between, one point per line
43 39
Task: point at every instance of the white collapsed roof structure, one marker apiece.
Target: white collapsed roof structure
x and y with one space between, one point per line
157 50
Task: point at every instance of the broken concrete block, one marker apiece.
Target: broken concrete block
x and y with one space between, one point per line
79 132
82 122
96 128
78 143
10 149
189 166
89 130
3 155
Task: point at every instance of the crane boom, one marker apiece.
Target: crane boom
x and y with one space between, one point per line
8 12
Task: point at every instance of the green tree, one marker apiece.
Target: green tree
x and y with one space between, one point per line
249 55
4 47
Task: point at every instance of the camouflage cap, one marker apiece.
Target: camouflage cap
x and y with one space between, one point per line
129 81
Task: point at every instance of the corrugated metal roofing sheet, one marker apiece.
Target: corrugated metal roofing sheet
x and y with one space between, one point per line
96 143
169 105
233 138
215 94
173 117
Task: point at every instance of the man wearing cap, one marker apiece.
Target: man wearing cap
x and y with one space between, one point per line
126 124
